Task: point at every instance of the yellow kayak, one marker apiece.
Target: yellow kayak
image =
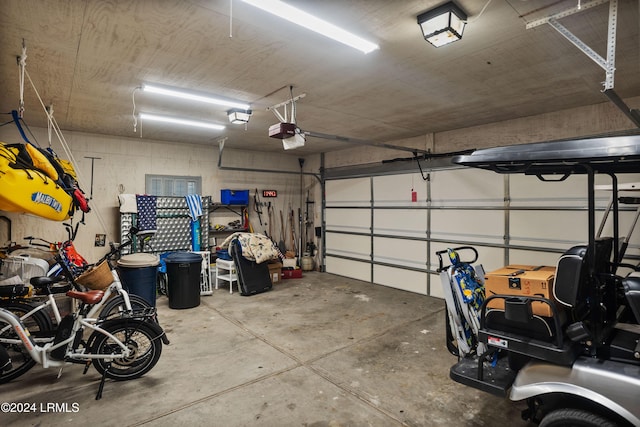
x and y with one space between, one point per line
31 183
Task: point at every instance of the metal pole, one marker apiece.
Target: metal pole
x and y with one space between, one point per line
92 160
363 142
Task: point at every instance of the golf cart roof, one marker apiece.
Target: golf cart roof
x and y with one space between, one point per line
620 154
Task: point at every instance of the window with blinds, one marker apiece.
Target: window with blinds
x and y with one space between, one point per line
170 185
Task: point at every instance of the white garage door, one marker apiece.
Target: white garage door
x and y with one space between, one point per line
387 229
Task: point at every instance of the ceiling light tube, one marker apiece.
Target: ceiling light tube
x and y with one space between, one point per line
193 96
320 26
178 121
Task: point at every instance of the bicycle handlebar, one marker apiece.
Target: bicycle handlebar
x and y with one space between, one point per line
49 245
115 250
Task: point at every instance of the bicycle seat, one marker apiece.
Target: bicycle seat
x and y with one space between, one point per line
89 297
47 285
14 291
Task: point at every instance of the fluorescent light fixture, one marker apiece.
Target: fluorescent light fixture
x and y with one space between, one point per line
177 93
239 116
320 26
178 121
443 25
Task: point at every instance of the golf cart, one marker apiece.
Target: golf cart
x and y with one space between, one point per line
580 365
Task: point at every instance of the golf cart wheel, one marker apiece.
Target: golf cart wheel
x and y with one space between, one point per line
568 417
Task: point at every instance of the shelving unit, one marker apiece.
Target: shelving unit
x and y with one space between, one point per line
225 211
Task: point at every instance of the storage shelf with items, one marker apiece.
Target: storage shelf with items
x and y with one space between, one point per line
229 216
223 213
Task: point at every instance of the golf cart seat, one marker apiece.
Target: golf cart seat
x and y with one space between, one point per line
554 339
631 286
572 275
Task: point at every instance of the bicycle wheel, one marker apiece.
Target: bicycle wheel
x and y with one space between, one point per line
115 307
142 341
37 323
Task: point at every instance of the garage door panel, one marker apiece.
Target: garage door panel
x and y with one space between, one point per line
548 228
528 190
409 253
467 187
534 257
349 245
400 222
471 225
413 281
348 192
436 286
348 268
348 220
395 190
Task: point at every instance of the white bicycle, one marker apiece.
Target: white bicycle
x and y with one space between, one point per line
124 348
115 303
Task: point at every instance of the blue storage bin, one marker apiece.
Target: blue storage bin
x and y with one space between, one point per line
224 254
139 275
234 197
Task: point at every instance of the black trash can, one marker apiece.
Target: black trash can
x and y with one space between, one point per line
183 279
139 275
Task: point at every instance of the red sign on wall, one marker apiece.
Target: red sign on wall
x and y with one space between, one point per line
269 193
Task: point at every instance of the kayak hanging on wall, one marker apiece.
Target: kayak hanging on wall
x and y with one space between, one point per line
35 181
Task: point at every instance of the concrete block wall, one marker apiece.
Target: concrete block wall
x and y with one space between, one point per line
122 167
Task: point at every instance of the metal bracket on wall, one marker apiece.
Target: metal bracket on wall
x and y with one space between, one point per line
608 64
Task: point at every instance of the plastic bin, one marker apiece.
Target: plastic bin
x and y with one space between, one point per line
139 275
183 279
234 197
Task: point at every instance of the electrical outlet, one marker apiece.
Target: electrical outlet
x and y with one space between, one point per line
101 240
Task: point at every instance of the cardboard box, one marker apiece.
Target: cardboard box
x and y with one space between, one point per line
521 280
275 272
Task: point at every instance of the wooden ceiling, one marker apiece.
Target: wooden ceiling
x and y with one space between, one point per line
87 57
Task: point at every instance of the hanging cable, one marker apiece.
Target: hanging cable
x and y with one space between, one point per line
135 118
230 18
49 111
22 62
475 18
67 150
424 178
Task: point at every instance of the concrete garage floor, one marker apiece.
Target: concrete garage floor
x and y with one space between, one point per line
319 351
